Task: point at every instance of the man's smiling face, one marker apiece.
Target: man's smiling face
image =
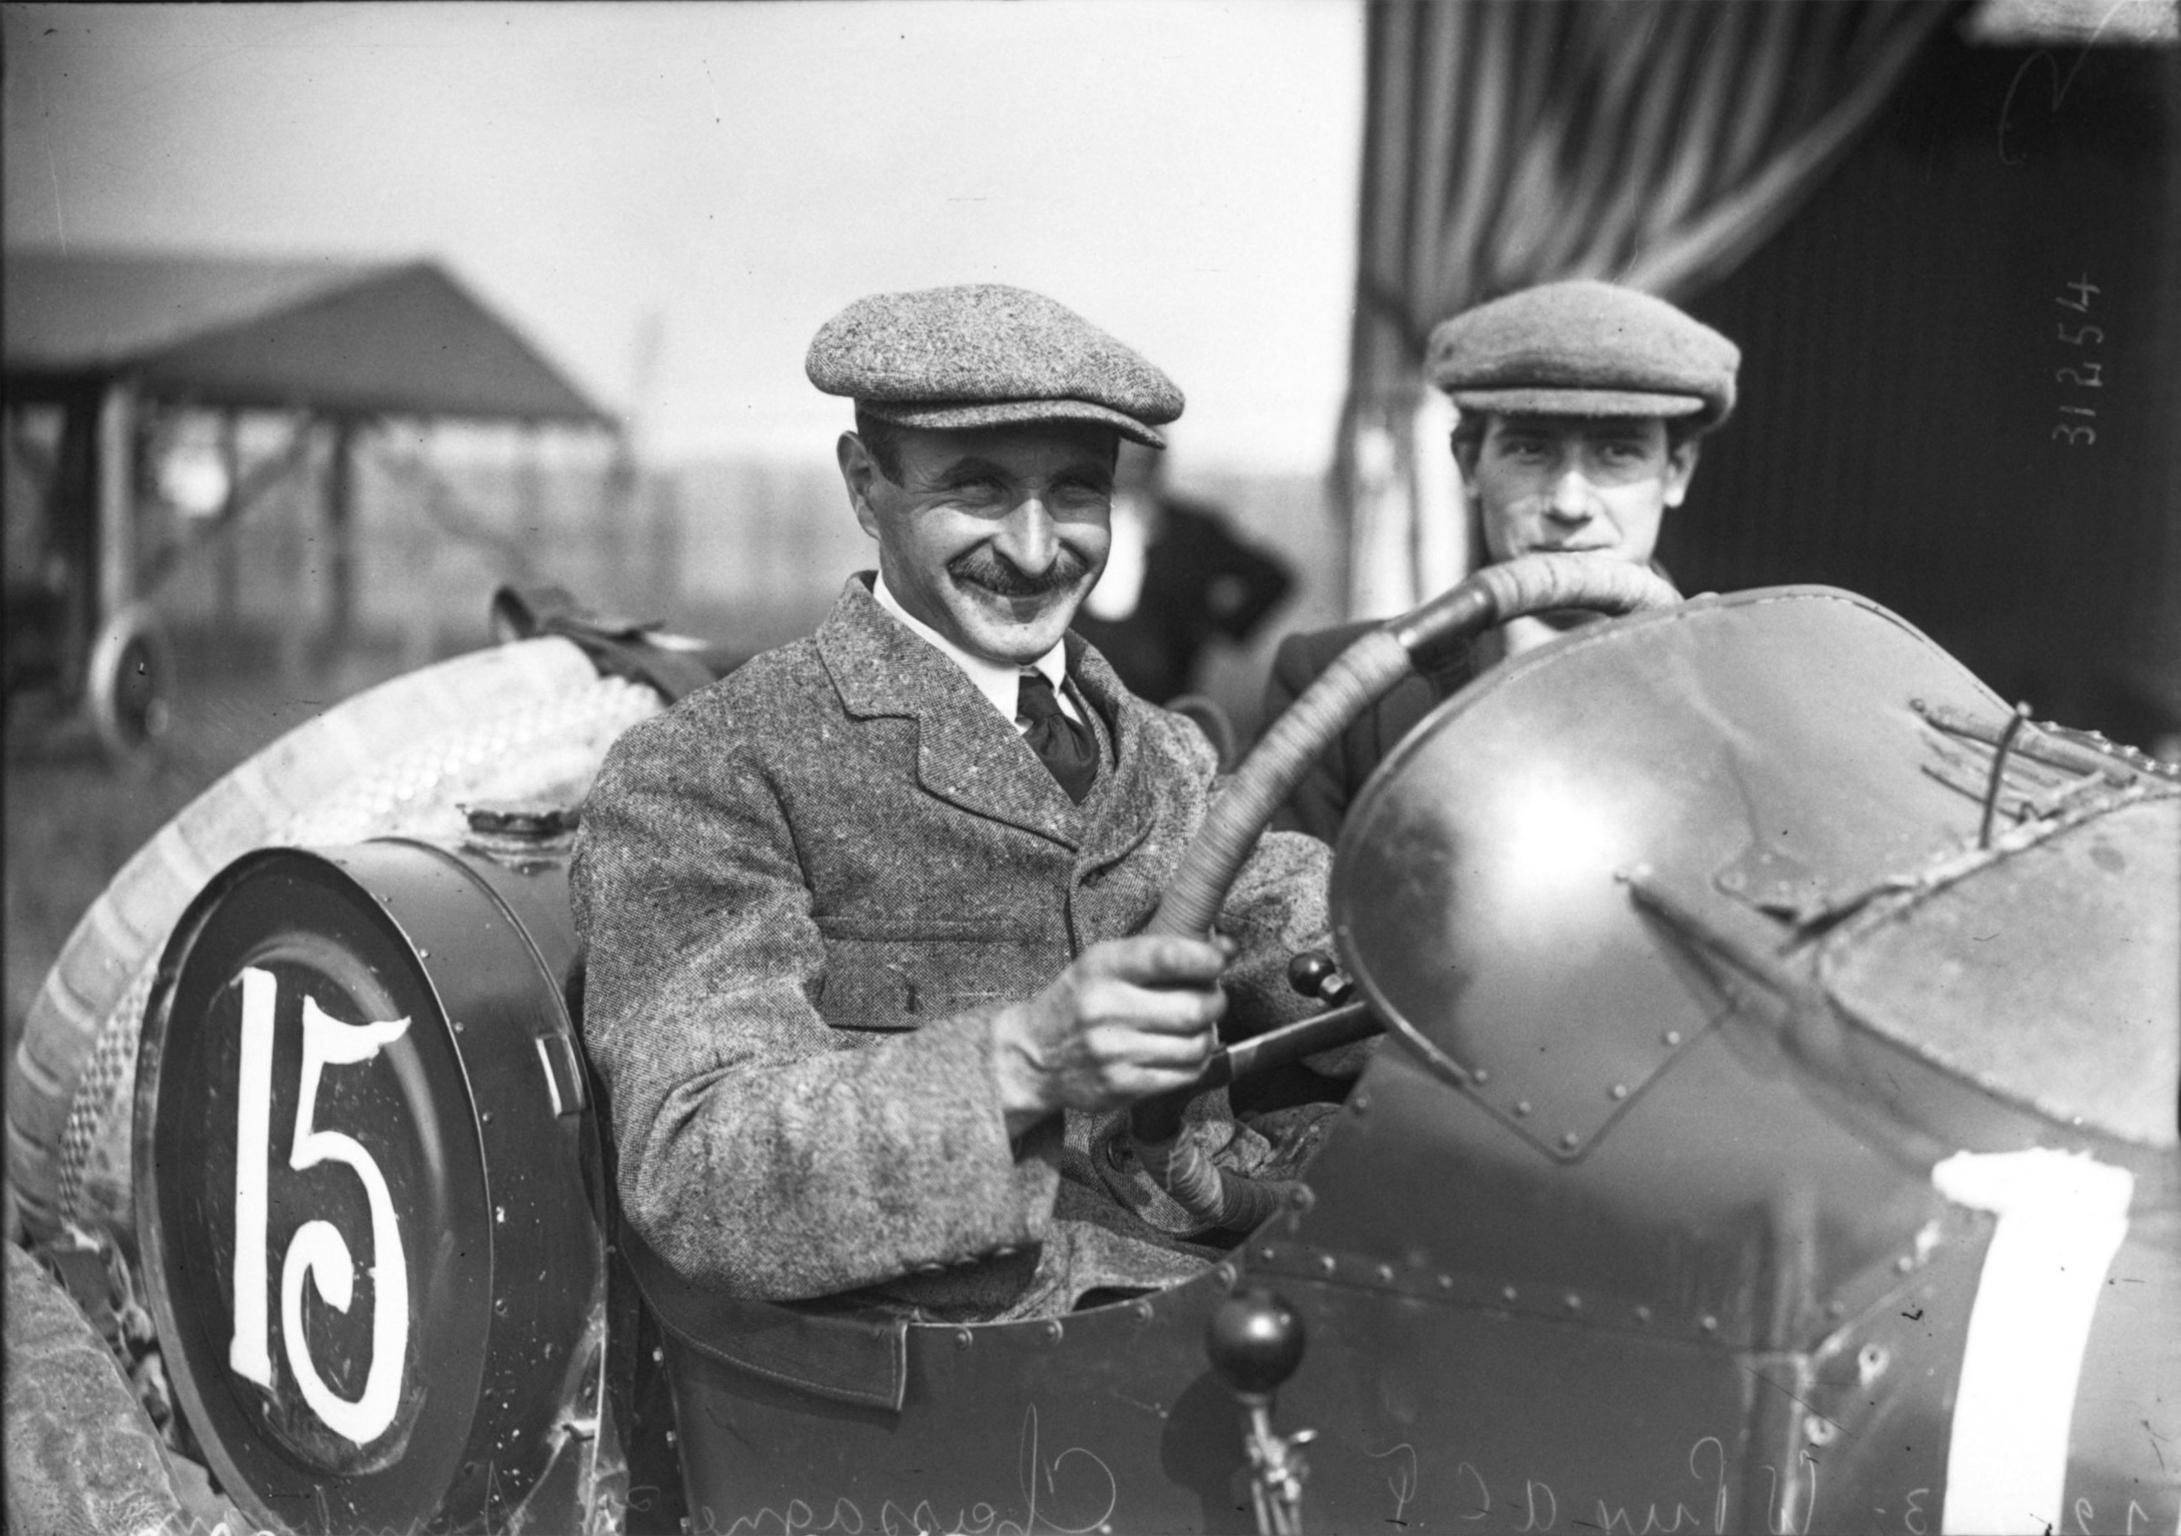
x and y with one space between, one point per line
993 535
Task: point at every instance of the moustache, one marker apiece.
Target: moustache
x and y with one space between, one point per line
993 571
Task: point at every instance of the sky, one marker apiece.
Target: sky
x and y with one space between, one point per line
704 184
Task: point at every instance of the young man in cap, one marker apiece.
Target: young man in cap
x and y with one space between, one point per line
1582 404
860 983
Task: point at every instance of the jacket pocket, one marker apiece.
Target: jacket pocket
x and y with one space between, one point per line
990 928
892 984
864 989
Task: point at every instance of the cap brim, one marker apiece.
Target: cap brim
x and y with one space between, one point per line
959 416
1578 402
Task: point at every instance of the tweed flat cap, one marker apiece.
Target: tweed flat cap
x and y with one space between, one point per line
984 354
1585 349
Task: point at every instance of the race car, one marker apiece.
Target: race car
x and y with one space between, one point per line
1777 1128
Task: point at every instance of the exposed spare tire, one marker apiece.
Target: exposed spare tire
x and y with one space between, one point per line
529 720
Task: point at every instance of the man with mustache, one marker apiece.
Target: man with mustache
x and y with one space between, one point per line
1582 406
866 985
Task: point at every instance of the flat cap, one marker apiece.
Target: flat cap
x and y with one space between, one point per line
984 354
1585 349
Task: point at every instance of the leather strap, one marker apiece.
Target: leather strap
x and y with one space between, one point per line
618 647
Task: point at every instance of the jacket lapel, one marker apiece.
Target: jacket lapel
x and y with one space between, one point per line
1119 811
966 754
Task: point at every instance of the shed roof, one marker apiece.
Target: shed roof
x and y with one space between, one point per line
400 338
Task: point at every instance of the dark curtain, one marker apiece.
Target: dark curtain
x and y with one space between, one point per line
1513 142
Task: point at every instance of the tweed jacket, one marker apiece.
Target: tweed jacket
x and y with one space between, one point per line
1319 804
806 891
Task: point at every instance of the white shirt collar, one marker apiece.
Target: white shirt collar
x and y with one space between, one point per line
996 680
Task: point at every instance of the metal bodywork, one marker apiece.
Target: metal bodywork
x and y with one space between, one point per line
1702 971
1667 1206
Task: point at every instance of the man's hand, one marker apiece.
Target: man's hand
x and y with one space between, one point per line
1128 1019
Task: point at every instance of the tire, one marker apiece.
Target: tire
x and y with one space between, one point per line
521 721
129 683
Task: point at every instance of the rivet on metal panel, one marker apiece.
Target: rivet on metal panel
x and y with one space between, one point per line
1265 1253
1672 1037
1643 1314
423 954
1572 1302
1904 1264
963 1338
1836 1309
1507 1293
1819 1431
1479 1076
1226 1273
1733 880
658 1357
1708 1323
670 1437
1302 1197
1522 1106
1385 1274
1618 1091
458 1026
1446 1282
1140 1310
1569 1141
1326 1264
1359 1104
1053 1331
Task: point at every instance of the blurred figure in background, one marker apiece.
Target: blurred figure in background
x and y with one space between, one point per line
1582 404
1175 578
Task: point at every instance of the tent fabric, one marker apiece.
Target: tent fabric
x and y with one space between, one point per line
327 336
1512 142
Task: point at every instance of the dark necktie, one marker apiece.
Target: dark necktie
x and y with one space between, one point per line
1066 747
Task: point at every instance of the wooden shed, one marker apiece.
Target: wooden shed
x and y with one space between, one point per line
101 347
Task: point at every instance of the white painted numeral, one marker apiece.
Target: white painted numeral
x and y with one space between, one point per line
318 1251
2061 1218
246 1352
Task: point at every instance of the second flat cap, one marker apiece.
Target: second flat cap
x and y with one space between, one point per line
1585 348
985 354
